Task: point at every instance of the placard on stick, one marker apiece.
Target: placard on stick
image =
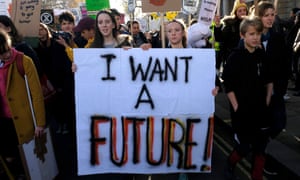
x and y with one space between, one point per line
26 17
161 5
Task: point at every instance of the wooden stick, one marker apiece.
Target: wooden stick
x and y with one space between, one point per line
219 7
162 33
255 6
131 22
276 5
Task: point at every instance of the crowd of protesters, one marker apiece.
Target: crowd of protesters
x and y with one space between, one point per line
258 51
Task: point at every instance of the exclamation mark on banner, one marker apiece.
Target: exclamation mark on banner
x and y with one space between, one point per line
209 140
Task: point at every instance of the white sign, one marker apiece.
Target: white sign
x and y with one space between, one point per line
4 7
131 6
207 11
43 166
190 6
144 111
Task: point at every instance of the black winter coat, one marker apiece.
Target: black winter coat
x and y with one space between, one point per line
278 55
246 74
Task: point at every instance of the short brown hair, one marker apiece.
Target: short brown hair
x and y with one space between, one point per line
67 16
262 6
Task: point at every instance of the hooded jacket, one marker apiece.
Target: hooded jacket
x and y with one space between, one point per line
17 99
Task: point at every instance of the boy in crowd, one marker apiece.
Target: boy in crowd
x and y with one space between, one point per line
248 86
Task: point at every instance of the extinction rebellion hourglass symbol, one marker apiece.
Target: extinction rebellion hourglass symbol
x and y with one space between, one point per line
157 2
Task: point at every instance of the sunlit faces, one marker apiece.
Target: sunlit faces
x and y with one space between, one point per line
5 56
118 20
240 12
135 28
6 29
67 26
268 18
251 38
105 24
175 33
43 33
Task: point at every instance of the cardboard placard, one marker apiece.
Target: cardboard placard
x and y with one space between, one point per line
161 5
26 16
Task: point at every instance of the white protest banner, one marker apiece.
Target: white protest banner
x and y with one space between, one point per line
207 11
144 111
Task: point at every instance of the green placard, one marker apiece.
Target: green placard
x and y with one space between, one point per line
92 5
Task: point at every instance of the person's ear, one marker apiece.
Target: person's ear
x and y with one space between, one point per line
241 35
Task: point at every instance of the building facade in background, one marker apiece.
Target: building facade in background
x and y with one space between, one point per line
284 6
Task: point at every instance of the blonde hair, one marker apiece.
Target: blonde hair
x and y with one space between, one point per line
236 6
253 21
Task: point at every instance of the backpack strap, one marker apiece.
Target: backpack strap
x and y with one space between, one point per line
19 61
